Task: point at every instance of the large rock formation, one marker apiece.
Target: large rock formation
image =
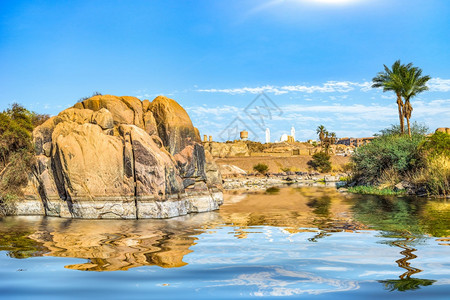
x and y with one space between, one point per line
118 157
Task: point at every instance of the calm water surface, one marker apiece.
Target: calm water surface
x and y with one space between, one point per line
293 242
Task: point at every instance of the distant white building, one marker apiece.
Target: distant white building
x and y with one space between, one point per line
284 138
293 132
267 135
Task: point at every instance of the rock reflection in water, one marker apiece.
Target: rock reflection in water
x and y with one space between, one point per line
111 245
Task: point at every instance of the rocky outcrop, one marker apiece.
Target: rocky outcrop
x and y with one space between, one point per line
173 123
444 130
118 157
231 171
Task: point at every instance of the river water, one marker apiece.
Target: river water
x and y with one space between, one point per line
309 242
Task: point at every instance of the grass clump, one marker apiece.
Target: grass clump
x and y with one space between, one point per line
93 94
371 190
345 178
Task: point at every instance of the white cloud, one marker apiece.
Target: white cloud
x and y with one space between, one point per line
216 111
435 85
344 109
327 87
366 86
245 90
439 85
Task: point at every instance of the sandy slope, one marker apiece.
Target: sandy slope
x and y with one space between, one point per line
296 163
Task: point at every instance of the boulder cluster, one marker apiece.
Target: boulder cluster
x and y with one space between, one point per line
120 157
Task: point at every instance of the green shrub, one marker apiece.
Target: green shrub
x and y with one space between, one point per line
261 168
437 144
416 129
345 178
320 161
16 148
400 153
7 206
285 169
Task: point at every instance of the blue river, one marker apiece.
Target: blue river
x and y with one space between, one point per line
308 242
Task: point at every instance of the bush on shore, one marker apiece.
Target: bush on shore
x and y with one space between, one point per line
422 163
261 168
16 149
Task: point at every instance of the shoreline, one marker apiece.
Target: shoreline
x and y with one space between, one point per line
120 207
263 182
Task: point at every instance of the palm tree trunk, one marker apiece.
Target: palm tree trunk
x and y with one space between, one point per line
400 113
407 111
409 127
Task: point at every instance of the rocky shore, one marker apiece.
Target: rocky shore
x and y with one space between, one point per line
259 182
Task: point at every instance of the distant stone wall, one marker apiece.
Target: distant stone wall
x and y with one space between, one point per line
284 149
227 149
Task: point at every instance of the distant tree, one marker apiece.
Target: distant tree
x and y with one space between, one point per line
321 131
320 161
326 138
333 138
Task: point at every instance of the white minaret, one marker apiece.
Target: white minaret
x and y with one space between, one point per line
267 135
293 132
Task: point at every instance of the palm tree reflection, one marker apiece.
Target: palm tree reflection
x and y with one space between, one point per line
406 284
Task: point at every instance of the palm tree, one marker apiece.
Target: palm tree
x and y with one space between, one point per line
391 80
333 138
413 84
326 141
321 132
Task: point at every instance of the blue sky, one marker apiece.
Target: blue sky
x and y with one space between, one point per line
314 59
